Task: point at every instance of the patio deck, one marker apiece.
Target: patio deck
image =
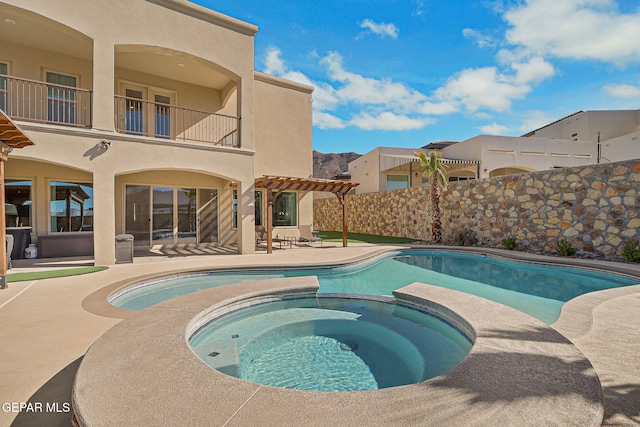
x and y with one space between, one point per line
45 331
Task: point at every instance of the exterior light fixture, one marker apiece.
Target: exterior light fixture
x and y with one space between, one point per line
104 144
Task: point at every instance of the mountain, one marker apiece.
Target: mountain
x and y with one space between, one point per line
329 165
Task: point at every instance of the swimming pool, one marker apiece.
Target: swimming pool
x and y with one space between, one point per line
328 343
536 289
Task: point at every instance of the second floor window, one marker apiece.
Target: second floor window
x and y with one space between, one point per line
61 100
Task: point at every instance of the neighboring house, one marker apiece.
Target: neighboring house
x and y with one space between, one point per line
586 137
389 168
148 119
616 132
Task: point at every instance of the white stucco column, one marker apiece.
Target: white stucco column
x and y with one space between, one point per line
103 90
246 217
104 220
246 112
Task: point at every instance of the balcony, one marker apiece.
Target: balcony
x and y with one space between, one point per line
43 102
135 116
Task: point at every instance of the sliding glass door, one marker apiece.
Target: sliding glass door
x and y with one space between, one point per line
171 215
138 213
208 216
162 230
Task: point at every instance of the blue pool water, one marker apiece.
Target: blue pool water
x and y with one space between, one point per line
330 344
538 290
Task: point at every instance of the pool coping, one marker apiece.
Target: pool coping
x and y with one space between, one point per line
520 371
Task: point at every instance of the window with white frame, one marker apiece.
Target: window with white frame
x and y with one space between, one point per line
61 98
71 206
258 209
18 201
285 210
258 205
234 218
146 110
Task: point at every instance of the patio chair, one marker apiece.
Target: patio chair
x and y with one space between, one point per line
306 235
9 250
261 235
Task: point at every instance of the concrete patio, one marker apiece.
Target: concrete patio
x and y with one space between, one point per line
45 331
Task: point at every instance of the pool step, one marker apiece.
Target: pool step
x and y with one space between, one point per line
223 357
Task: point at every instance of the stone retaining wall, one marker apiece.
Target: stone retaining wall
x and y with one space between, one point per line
596 208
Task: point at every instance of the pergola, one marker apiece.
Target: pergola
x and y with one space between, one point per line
277 184
11 136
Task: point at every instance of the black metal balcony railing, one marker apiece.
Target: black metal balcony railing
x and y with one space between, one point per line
37 101
140 117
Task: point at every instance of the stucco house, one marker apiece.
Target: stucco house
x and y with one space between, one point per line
583 138
148 118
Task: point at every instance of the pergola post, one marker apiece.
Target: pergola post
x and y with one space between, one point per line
269 225
4 152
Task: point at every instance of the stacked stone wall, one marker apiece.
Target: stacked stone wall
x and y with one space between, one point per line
595 208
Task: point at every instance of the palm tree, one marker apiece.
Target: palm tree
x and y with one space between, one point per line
434 169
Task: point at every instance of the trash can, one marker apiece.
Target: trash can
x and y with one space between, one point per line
124 248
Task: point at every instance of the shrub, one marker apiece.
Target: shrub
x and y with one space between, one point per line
631 251
510 243
564 248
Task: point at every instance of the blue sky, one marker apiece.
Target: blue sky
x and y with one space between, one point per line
403 73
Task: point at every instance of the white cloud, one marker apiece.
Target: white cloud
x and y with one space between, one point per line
273 63
374 104
327 121
535 120
482 40
623 91
492 88
384 104
494 129
389 121
533 71
576 29
478 88
482 115
380 28
357 89
438 108
420 8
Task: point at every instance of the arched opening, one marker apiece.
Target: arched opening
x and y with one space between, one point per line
511 170
50 75
169 94
461 175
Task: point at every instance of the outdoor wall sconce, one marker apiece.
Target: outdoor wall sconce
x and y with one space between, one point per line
104 145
